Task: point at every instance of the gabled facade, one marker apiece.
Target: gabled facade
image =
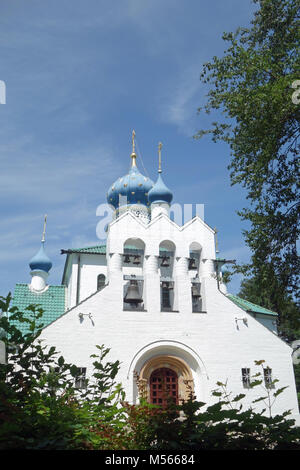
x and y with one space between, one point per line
154 295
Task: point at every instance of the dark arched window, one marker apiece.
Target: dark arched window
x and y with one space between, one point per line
163 386
100 281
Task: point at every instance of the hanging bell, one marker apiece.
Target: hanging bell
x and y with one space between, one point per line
195 291
132 295
192 264
166 285
126 259
137 259
165 262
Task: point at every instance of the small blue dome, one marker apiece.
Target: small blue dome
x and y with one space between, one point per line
160 192
133 187
40 261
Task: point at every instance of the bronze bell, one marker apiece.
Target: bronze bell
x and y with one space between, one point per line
166 285
137 259
133 295
192 263
195 291
165 262
126 259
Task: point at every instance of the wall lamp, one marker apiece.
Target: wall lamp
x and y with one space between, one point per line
81 315
243 319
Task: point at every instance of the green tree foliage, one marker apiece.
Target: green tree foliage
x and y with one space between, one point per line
40 407
252 290
252 85
223 426
297 380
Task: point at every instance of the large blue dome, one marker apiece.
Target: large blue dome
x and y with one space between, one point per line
132 188
160 192
40 262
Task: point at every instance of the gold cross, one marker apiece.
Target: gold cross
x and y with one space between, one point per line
159 157
133 142
44 230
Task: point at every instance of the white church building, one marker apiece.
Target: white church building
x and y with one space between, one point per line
154 295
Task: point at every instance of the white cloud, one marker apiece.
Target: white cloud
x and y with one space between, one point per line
178 101
53 175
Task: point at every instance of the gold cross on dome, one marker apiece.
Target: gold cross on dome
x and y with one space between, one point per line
159 156
133 141
44 229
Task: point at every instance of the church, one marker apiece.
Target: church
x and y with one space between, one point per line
154 295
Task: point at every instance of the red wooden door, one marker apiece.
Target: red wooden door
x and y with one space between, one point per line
163 386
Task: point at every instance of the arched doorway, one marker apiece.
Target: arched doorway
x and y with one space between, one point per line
163 386
178 367
186 362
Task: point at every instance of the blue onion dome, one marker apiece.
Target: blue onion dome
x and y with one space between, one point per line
40 262
160 192
132 188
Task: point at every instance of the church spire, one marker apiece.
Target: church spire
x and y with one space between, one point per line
133 154
44 229
159 157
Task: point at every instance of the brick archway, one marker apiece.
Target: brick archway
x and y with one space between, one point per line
185 382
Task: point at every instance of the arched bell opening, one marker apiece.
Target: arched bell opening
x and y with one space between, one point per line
167 252
195 251
132 268
133 253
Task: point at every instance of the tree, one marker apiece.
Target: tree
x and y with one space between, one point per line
253 85
40 406
252 290
297 379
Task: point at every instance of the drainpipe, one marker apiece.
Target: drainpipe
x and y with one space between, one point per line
232 261
78 281
217 273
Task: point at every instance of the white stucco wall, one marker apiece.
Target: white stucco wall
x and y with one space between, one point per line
91 265
215 345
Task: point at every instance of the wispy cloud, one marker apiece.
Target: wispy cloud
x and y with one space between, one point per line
52 174
178 104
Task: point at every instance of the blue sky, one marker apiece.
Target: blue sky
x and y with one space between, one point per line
80 75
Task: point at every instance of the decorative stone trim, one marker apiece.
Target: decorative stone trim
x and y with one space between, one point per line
184 373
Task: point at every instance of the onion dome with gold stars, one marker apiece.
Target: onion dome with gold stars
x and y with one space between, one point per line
132 188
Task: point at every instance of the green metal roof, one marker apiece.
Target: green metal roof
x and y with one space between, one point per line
89 250
98 249
52 301
249 306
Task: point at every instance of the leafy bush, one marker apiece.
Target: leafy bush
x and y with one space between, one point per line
40 408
